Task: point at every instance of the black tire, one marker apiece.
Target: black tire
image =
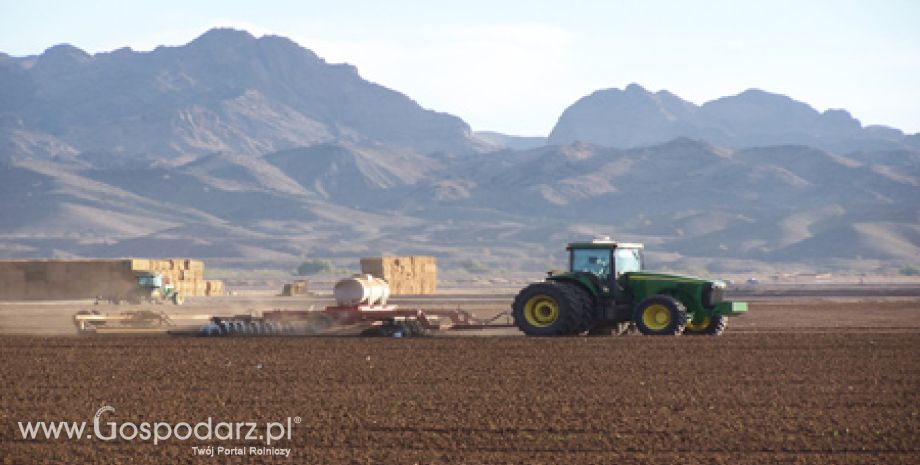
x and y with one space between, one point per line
178 299
414 328
660 315
713 326
389 328
407 328
552 309
318 323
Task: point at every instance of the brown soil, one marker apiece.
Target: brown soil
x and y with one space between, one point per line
838 385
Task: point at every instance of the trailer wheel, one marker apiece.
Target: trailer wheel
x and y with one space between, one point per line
388 328
660 315
551 309
414 328
318 322
713 325
409 329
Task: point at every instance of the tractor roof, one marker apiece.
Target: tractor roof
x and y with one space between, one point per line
604 243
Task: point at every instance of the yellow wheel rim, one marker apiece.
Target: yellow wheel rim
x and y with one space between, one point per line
541 311
656 317
701 325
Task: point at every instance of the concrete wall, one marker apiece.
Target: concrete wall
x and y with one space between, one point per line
64 279
86 279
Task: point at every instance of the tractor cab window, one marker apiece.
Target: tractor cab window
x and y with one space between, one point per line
627 260
595 261
150 280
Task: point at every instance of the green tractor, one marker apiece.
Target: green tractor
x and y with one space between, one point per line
605 290
151 288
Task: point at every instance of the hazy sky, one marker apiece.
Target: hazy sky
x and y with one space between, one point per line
514 66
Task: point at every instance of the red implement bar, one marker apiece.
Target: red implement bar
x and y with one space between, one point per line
429 319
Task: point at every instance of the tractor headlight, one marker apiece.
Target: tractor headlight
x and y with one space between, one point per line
713 294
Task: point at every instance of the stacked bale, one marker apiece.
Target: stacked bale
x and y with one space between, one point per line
185 274
411 275
295 288
214 287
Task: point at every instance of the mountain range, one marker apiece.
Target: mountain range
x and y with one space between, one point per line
634 117
253 152
226 91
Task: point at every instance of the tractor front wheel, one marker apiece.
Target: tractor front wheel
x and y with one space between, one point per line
660 315
713 325
178 298
552 309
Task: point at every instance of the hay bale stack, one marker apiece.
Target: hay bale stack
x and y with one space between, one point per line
410 275
214 287
185 274
295 288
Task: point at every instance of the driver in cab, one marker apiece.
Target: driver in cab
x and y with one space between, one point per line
596 265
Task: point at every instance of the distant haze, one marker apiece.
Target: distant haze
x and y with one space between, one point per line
514 67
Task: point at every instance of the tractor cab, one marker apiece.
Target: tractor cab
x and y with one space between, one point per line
150 280
605 259
152 287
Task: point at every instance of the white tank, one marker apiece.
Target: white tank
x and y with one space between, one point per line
361 289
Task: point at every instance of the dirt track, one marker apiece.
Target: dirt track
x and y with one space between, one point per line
838 388
768 313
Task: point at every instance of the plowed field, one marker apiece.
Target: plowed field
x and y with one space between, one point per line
842 393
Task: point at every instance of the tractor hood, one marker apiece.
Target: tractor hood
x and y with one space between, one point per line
700 296
674 278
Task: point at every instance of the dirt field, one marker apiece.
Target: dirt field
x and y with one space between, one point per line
831 381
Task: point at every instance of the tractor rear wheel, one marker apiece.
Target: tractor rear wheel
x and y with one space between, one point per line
713 325
660 315
552 309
